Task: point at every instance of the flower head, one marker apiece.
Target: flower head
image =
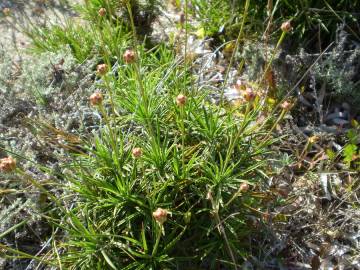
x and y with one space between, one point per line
129 56
286 105
6 11
102 69
102 12
137 152
96 99
286 27
313 139
244 187
181 100
7 164
240 85
249 94
182 18
160 215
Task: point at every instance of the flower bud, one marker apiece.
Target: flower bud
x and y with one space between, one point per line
137 152
249 94
102 69
102 12
313 139
240 85
286 27
129 56
160 215
96 99
244 187
6 11
7 164
181 100
286 105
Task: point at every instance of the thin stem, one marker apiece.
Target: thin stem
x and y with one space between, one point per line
113 140
182 112
157 241
186 43
138 69
247 4
223 233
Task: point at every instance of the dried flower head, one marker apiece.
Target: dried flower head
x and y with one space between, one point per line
181 100
244 187
313 139
96 99
160 215
7 164
102 69
137 152
102 12
249 94
182 18
6 11
240 85
129 56
286 27
286 105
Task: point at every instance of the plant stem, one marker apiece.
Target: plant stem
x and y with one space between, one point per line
247 4
157 241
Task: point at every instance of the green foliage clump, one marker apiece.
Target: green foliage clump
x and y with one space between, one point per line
197 161
162 147
222 19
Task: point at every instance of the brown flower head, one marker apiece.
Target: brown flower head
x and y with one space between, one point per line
249 94
286 105
6 11
286 27
129 56
102 12
160 215
96 99
182 18
137 152
181 100
7 164
102 69
244 187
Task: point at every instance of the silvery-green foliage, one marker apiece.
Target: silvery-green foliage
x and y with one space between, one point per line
340 68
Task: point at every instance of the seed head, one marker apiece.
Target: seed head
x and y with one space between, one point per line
249 94
244 187
181 100
137 152
286 105
286 27
129 56
6 11
102 12
7 164
96 99
160 215
102 69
